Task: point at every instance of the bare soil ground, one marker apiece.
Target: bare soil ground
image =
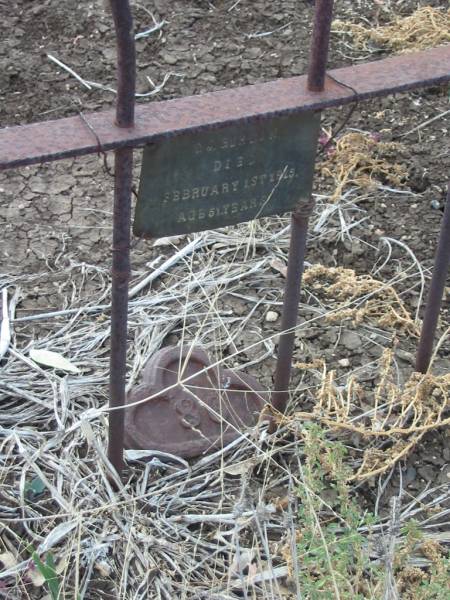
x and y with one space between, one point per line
56 218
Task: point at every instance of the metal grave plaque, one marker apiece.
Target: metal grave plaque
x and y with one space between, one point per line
208 179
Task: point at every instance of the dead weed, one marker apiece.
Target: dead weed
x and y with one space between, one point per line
427 27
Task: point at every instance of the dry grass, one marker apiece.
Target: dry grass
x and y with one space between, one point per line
228 525
399 414
427 27
372 300
398 417
362 160
217 527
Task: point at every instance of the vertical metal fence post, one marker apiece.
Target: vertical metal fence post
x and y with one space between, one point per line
123 166
299 221
436 293
319 45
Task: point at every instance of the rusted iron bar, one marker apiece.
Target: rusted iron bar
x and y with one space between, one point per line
123 168
296 261
436 293
319 45
120 274
300 220
68 137
126 63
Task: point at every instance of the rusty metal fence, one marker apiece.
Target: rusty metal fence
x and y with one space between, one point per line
130 128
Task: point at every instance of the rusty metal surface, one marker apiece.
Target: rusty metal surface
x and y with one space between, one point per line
71 136
299 223
120 271
320 42
120 275
126 62
296 262
207 179
207 412
435 295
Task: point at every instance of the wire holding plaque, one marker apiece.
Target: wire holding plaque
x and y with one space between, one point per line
208 179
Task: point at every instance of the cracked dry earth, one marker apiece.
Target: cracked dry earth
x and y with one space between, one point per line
202 46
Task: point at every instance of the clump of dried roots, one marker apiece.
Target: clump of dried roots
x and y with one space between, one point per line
387 421
361 159
427 27
371 299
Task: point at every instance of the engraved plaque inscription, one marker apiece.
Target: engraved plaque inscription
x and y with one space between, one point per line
209 179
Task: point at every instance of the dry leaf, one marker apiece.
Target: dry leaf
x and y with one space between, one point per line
53 359
278 265
252 572
55 535
282 503
8 559
172 240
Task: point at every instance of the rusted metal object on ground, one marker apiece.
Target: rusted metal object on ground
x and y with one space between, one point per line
192 407
120 272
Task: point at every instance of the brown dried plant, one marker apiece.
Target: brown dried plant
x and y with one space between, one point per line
361 159
376 302
399 415
427 27
389 419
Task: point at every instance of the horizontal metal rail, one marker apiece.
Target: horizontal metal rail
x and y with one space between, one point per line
76 136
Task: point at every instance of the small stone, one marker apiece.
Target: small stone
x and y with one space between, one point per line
357 248
109 54
435 204
208 77
344 362
308 334
272 316
253 53
426 472
168 58
103 27
351 340
103 568
60 183
240 308
410 475
329 338
38 186
406 356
